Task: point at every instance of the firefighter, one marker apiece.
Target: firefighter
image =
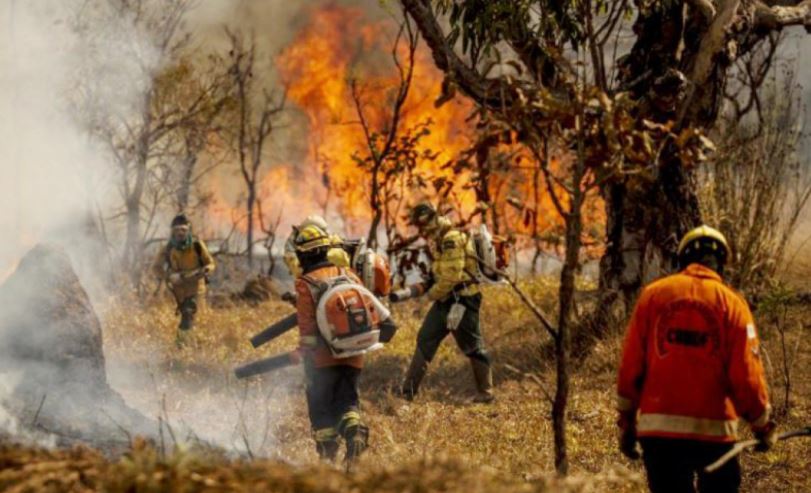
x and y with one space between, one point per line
185 264
337 255
332 383
690 367
456 301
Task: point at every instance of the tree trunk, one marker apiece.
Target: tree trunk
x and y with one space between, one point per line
561 402
563 340
536 257
536 203
134 241
643 228
372 239
646 218
271 263
482 187
250 205
377 209
133 238
184 188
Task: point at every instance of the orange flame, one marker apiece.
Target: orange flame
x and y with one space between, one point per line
336 45
320 62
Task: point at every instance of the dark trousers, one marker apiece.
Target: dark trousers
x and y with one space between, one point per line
677 466
332 392
187 308
468 334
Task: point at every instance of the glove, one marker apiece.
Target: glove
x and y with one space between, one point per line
627 439
766 436
628 444
387 330
175 278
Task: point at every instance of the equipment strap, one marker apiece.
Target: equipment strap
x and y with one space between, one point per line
198 249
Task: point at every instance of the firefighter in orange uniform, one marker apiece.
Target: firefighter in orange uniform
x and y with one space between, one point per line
332 383
690 367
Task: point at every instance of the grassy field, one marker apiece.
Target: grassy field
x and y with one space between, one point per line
440 442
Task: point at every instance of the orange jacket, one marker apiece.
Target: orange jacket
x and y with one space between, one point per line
691 364
311 343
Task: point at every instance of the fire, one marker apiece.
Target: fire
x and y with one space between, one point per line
336 46
320 63
277 193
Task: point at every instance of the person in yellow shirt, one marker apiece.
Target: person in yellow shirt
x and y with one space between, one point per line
185 263
457 302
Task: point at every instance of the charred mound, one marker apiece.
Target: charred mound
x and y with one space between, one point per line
52 360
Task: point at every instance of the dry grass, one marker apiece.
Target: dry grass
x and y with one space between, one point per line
440 442
143 469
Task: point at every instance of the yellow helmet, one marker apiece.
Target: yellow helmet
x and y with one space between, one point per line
314 220
706 239
312 237
336 240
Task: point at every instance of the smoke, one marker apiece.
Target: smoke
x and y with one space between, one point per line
274 22
10 424
65 67
69 69
55 176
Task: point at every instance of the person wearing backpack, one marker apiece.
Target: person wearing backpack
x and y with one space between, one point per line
457 301
185 264
337 255
339 321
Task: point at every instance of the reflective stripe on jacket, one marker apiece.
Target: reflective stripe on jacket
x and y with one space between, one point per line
691 363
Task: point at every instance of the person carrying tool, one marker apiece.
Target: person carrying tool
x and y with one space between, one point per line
336 254
370 267
457 301
339 321
690 367
185 264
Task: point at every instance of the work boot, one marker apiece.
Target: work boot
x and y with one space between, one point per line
182 339
327 450
483 375
186 322
357 440
187 311
414 375
326 444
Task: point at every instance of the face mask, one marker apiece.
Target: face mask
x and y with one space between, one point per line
182 243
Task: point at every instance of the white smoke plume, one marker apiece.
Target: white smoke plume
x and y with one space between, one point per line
56 178
68 68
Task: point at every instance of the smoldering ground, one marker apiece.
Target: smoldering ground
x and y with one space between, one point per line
60 388
68 66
